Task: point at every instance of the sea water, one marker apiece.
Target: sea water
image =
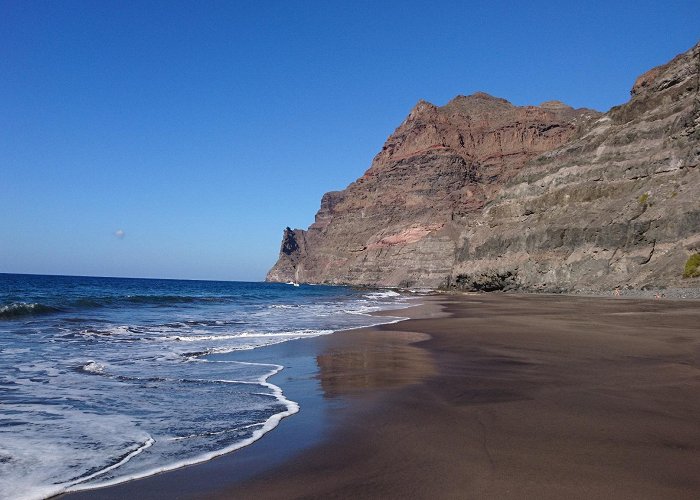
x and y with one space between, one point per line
103 380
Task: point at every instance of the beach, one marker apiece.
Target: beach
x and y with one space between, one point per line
476 396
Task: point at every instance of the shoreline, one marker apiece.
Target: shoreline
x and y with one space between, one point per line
509 395
301 352
270 424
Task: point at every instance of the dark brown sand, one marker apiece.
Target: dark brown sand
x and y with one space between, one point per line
501 396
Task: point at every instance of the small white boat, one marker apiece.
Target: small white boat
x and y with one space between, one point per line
293 283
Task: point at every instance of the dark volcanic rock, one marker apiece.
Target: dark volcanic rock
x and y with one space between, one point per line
292 250
489 281
483 195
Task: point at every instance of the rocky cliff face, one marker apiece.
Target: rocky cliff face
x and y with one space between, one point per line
481 194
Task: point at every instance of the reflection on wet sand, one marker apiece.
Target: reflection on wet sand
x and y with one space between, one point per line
380 360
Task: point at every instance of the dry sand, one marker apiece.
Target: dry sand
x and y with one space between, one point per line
480 396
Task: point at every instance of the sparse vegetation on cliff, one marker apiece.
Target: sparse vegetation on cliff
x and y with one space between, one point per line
692 266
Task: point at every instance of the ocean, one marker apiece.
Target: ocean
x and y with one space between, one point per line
103 380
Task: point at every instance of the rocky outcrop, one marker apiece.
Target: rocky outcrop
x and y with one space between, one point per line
481 194
290 263
396 224
618 206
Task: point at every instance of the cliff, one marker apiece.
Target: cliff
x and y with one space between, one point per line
482 194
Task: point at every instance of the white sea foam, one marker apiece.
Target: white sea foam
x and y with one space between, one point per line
225 431
93 399
363 310
131 454
249 335
269 424
18 308
384 294
93 367
38 462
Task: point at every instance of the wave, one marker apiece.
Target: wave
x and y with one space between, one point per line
156 300
243 335
384 294
291 407
110 348
170 299
19 309
137 450
203 322
93 367
217 433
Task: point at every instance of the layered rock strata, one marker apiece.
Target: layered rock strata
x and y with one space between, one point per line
482 194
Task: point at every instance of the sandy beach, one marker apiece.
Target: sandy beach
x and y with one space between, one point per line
477 396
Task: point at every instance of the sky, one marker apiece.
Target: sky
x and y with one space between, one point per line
178 139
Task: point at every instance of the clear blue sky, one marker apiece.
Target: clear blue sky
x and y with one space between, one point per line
202 129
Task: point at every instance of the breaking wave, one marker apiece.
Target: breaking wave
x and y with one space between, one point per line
99 375
19 309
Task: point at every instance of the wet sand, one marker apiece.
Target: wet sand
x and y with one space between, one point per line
480 396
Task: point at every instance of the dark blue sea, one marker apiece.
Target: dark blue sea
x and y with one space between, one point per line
107 379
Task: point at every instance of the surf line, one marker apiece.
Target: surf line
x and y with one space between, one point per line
267 426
